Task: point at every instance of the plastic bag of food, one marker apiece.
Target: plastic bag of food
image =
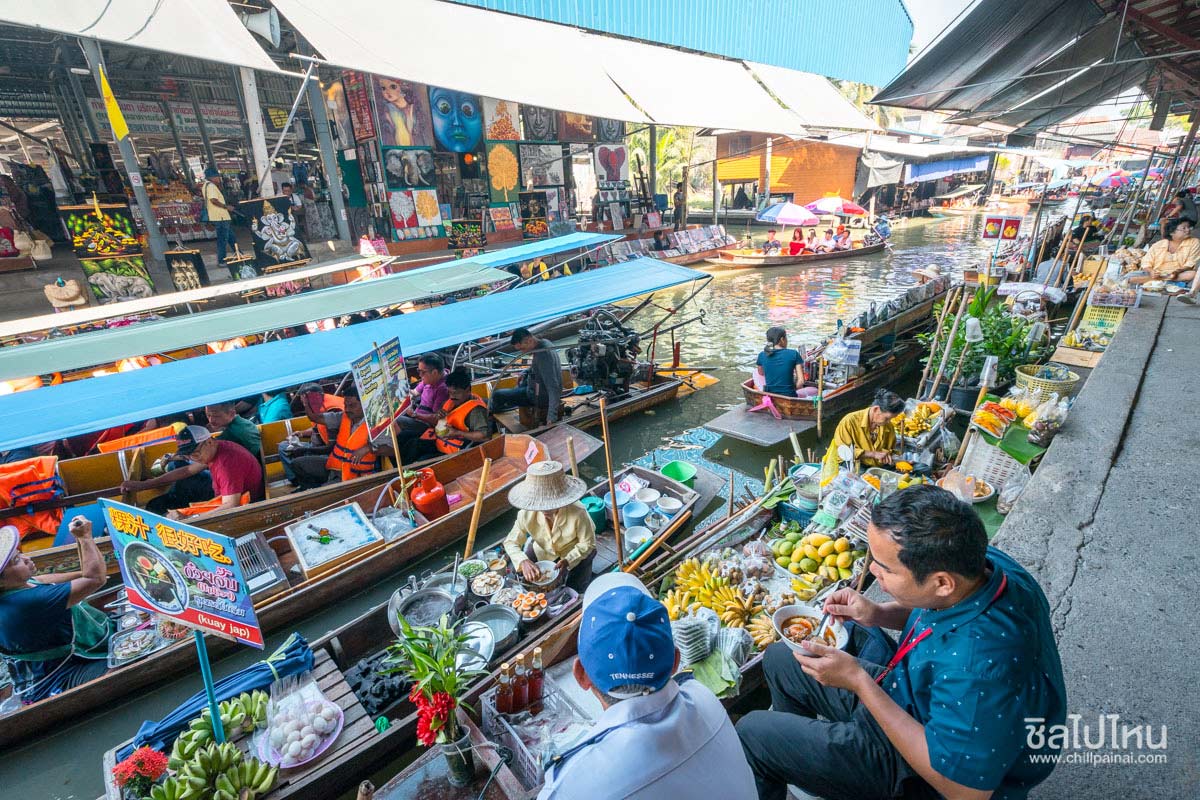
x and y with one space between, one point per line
758 567
1012 400
1046 407
301 721
756 547
950 444
1049 423
1012 490
960 485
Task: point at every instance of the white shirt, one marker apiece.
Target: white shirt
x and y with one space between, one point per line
670 744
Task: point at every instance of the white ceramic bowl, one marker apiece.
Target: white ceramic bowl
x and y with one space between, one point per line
648 496
784 613
633 537
549 573
668 506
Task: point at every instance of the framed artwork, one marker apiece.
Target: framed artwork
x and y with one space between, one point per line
612 162
461 234
504 172
618 216
403 109
116 279
187 269
576 127
533 215
339 114
609 130
457 120
276 241
101 229
541 165
429 213
409 168
539 124
500 120
403 209
554 202
357 89
502 218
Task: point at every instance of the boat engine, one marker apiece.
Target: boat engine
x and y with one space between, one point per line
606 356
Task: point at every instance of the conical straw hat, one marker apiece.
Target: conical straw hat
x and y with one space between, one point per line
546 487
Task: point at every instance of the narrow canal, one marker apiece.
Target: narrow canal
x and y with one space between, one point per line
739 307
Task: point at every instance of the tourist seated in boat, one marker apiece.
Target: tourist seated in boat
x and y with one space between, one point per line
660 242
656 738
223 418
50 639
425 400
827 244
810 241
842 240
1172 258
236 476
317 440
772 245
552 525
797 246
463 422
948 714
868 432
353 453
274 407
779 366
540 386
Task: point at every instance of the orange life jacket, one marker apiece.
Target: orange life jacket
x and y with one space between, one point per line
204 506
156 436
34 480
332 403
456 418
348 440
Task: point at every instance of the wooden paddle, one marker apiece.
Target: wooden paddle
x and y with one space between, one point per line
571 456
612 481
478 509
820 391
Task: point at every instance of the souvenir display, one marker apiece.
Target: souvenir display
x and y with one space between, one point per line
457 120
274 232
409 168
116 279
403 111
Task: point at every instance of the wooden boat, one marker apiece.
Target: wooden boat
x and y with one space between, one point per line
296 595
361 748
752 258
698 257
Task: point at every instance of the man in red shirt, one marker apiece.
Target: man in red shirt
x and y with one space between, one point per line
234 471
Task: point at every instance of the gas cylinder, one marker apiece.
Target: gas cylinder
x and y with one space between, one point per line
429 496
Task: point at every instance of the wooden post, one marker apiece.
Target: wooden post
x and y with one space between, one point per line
1077 264
1083 298
862 579
937 334
571 456
366 791
612 481
478 509
962 357
1057 255
820 391
937 379
729 512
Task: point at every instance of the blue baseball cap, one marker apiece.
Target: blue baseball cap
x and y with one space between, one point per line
625 636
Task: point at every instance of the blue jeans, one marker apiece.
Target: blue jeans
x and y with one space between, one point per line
225 238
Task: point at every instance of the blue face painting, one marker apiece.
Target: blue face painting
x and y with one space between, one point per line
457 121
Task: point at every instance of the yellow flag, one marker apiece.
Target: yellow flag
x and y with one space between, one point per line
115 118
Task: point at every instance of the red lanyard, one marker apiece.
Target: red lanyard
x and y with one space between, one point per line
910 643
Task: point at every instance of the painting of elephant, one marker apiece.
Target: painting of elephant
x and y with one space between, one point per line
116 279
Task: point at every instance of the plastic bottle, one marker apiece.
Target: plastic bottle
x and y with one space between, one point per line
520 686
429 496
504 691
537 681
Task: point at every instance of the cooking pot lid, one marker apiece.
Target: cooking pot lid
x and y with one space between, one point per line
477 650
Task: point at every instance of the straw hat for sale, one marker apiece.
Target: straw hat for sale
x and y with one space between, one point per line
546 487
10 537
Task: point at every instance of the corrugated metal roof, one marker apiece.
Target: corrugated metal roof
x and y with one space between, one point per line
866 40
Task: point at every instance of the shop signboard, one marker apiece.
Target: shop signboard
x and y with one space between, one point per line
377 374
179 571
146 118
358 102
1005 228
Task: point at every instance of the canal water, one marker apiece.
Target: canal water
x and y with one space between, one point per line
739 306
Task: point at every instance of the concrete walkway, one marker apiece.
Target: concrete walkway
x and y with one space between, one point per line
1109 527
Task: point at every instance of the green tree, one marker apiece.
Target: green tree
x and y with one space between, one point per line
676 147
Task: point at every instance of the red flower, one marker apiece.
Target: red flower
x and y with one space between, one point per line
143 763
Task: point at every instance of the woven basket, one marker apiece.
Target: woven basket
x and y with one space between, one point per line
989 463
1027 381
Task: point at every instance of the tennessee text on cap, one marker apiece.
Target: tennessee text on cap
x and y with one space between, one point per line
625 636
190 438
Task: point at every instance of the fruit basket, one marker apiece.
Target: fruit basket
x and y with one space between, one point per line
1027 379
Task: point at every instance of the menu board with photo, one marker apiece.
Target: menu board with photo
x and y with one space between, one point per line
358 102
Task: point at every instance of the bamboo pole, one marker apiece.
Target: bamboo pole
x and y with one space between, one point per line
729 511
612 481
962 357
1077 264
1066 238
964 301
1083 298
820 391
571 456
937 332
478 508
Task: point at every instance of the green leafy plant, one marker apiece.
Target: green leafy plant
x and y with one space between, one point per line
1004 336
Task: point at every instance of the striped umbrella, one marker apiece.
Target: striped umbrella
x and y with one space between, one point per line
1108 180
835 205
787 214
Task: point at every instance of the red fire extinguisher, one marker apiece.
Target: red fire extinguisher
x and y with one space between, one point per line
429 496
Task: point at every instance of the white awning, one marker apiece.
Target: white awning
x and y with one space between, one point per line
677 88
815 100
195 28
462 48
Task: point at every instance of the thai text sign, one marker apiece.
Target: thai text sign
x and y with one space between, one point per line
183 572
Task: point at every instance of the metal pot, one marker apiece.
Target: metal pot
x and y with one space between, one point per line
439 600
442 580
504 621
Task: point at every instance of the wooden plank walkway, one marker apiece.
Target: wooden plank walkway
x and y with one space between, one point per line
757 427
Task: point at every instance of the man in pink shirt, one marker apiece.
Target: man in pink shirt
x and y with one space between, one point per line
426 400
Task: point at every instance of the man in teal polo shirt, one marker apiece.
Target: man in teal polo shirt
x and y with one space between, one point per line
946 716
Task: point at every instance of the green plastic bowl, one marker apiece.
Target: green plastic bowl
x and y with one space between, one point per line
681 471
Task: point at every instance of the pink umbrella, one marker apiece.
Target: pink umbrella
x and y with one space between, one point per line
835 205
787 214
1107 180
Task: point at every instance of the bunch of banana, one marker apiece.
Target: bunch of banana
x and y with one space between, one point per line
209 763
733 607
678 603
254 704
245 781
762 631
175 789
686 571
699 581
186 745
233 716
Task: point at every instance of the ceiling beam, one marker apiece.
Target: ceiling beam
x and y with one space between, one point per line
1166 31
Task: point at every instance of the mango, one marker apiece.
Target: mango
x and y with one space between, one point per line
844 560
825 549
831 560
845 574
793 536
796 556
783 561
819 539
794 569
785 548
812 552
808 565
842 544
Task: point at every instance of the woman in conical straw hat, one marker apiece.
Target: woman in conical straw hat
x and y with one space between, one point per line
552 526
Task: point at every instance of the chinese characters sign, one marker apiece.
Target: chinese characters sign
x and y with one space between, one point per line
379 389
183 572
1005 228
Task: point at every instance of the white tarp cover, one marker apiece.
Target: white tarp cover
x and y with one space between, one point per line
677 88
196 28
815 100
462 48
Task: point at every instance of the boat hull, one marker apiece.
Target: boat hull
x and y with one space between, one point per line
741 258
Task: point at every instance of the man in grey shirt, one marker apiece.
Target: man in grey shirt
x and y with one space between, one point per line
541 385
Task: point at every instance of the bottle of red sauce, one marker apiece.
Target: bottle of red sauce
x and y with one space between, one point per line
504 691
520 686
537 679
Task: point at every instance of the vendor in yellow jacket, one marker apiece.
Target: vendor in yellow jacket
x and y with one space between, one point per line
552 526
868 432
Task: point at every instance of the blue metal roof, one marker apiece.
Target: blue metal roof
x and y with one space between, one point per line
543 247
69 409
864 40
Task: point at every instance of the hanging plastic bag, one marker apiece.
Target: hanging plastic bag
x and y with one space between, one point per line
1012 490
1049 423
950 444
1046 407
960 485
